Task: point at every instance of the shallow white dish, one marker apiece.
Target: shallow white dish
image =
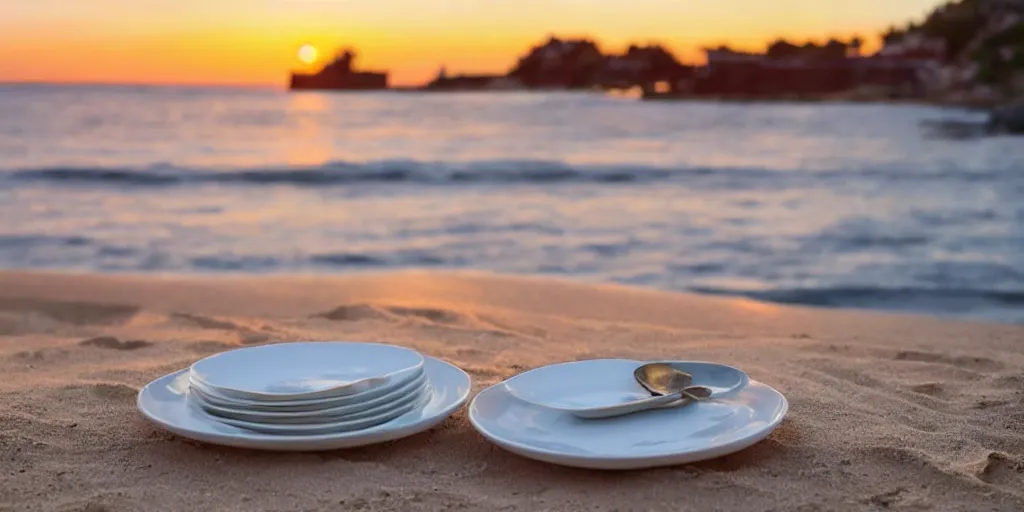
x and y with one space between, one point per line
164 402
662 437
357 410
305 370
594 386
300 406
361 421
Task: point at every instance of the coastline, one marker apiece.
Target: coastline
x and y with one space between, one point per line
936 101
980 105
985 105
887 410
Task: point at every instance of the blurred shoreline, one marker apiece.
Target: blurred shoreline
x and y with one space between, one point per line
412 91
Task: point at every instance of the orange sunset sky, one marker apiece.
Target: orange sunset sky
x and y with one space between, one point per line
256 41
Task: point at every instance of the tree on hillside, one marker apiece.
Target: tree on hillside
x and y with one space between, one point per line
856 44
834 49
557 63
782 49
956 24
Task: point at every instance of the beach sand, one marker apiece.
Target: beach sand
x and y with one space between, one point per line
886 411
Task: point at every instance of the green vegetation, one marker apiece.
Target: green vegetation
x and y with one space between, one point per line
1001 56
988 34
957 24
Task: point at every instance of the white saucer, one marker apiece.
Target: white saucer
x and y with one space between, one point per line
164 402
663 437
595 387
358 410
296 371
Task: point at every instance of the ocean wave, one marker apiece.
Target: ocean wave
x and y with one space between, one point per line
909 299
18 241
345 173
488 171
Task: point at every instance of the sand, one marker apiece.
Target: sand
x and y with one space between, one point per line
887 412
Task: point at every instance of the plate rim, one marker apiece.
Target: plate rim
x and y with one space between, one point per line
619 462
414 402
334 391
420 376
421 390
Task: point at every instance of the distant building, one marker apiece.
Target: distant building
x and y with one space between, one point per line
808 71
339 75
914 45
464 82
642 66
580 64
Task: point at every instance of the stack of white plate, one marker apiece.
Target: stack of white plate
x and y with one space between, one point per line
309 388
306 396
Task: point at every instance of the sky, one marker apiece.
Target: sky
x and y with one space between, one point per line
256 42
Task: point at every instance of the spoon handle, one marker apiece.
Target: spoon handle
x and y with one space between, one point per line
682 399
686 394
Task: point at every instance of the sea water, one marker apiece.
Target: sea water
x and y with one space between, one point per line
840 205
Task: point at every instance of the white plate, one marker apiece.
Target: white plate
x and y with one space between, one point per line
303 406
662 437
580 387
297 371
329 415
383 414
164 402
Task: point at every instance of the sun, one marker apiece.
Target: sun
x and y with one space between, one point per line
308 53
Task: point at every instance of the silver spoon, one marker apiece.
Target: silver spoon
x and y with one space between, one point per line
680 398
662 379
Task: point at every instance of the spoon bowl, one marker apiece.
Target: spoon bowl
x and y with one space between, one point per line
670 377
662 378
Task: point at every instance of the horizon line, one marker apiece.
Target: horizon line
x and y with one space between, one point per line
87 83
